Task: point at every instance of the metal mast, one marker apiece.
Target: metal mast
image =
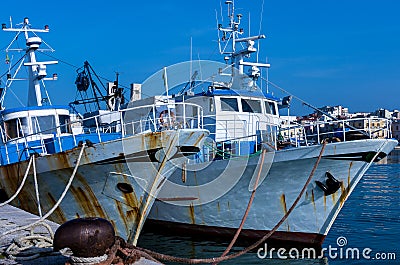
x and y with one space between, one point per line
231 34
36 70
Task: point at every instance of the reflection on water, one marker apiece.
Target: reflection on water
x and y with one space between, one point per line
180 246
369 219
394 156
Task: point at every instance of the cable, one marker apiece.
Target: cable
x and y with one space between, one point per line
249 248
57 203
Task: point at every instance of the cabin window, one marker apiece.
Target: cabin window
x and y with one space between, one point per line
267 108
270 108
44 124
65 123
250 105
229 104
16 128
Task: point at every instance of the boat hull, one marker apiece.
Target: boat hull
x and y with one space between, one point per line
282 178
116 180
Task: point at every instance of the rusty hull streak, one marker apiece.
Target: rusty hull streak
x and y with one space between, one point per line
345 190
313 200
153 140
58 215
127 217
86 199
98 209
10 181
130 198
348 175
184 172
191 214
334 198
199 139
283 203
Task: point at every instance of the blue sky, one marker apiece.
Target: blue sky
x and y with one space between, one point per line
326 52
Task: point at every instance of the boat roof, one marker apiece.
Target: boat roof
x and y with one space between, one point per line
32 108
243 93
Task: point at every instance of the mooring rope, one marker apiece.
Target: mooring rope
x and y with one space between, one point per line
32 246
152 193
166 257
36 187
21 185
57 203
253 193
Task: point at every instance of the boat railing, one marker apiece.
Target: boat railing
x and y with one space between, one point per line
130 121
335 131
236 137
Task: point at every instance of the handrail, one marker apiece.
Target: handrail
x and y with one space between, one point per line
343 130
139 124
200 125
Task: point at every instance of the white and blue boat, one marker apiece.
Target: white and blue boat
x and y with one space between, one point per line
249 142
107 163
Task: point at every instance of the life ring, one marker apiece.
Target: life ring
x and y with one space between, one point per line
166 113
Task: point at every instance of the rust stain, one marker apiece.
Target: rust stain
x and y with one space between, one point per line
58 215
121 213
119 167
325 202
152 140
82 200
283 203
131 199
11 177
349 174
313 199
198 140
91 197
334 198
218 207
344 194
191 214
184 172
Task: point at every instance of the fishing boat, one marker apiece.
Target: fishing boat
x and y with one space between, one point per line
110 163
251 149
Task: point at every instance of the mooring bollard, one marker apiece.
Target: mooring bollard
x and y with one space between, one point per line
87 238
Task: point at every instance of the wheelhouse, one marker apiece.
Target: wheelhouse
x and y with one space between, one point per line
35 122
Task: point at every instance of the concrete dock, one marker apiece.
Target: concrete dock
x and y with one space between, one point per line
12 218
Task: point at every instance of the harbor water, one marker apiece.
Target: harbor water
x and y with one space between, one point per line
366 231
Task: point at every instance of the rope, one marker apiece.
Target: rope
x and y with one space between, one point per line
253 193
21 185
249 248
32 246
57 203
88 260
152 192
36 187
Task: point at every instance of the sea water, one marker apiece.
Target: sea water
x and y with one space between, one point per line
366 231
